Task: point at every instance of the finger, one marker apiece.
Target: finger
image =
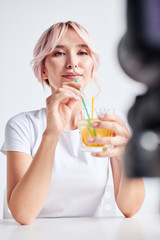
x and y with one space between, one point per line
64 97
72 90
111 117
115 141
71 102
115 152
72 84
114 126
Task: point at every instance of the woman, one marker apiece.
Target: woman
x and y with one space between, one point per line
47 174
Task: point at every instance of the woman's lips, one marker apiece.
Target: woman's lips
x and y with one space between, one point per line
71 76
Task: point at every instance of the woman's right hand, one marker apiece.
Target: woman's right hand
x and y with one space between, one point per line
60 105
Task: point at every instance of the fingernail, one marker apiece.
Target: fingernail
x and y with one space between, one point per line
93 154
101 116
90 139
77 97
95 124
82 95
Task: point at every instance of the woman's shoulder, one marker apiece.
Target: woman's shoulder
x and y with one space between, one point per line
34 114
27 118
23 130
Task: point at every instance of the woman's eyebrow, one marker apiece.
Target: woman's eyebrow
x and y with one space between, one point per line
60 46
78 45
82 45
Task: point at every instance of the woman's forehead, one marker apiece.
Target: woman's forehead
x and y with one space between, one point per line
71 37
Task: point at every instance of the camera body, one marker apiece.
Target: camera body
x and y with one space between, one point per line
139 57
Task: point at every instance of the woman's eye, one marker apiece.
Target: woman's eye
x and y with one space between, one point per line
58 53
83 53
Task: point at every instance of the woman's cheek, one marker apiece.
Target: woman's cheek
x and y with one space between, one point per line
89 67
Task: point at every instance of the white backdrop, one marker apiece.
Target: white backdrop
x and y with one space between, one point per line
21 24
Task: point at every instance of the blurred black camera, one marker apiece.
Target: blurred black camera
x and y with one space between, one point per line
139 57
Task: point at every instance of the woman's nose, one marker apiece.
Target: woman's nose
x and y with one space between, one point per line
71 62
71 66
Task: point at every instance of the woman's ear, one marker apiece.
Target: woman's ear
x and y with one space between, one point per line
44 74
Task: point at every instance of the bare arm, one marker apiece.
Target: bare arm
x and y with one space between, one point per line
129 193
28 180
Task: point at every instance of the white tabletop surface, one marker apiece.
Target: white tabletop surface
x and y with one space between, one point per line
119 228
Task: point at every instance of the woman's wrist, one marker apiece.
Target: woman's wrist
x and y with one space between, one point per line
51 136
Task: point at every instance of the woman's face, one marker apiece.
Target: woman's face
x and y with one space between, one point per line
71 58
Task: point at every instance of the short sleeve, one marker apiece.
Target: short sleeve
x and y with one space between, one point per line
17 135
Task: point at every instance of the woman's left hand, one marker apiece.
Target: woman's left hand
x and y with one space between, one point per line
129 193
119 140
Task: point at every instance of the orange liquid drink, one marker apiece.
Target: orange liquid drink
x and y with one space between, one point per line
87 131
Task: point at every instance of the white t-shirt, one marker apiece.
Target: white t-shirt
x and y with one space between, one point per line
79 180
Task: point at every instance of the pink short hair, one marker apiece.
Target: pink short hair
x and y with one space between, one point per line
48 41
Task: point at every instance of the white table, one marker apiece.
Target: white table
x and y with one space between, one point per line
119 228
